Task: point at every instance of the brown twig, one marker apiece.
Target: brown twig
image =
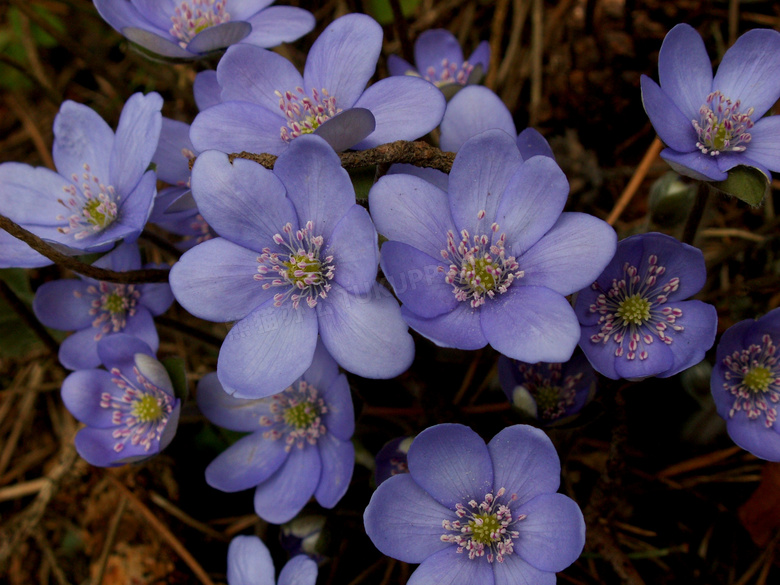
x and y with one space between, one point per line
40 246
108 544
636 180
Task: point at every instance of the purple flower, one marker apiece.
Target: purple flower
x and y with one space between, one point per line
297 259
439 59
299 444
712 124
188 29
492 260
478 514
635 319
266 103
130 410
103 192
250 563
96 309
746 384
391 459
547 392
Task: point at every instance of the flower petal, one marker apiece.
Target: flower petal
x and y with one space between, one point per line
411 210
96 446
365 334
246 463
30 195
516 571
459 328
282 496
236 126
120 14
531 324
219 36
323 371
764 147
63 304
694 164
347 129
338 462
754 436
249 562
398 66
173 166
433 176
279 24
473 110
432 48
343 58
340 418
207 90
299 570
81 137
700 321
685 70
152 40
571 255
79 350
404 522
673 127
353 245
267 350
229 412
448 567
81 392
481 56
242 201
659 360
531 143
451 462
215 281
553 533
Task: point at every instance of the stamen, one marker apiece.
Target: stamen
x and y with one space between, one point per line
92 205
194 16
305 113
753 379
721 126
296 416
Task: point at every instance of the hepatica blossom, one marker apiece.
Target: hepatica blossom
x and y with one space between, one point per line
490 261
250 563
746 384
478 514
188 29
439 59
129 408
297 259
636 321
547 392
266 103
712 124
102 191
299 444
391 459
96 310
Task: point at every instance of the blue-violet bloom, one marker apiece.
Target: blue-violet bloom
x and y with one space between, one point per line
297 259
391 459
250 563
95 309
266 103
712 124
547 392
746 384
189 29
635 320
439 59
102 191
299 444
478 514
492 260
129 408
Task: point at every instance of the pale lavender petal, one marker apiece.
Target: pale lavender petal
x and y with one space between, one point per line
432 48
246 9
433 176
694 164
30 195
473 110
672 126
81 393
754 436
246 463
173 166
157 297
531 143
249 562
323 373
481 56
404 522
531 324
238 126
279 24
14 253
152 41
132 215
120 14
451 462
96 447
229 412
158 12
660 359
284 494
340 418
63 304
448 567
459 328
353 245
515 571
207 90
78 351
700 322
299 570
398 66
347 129
141 326
684 69
81 137
338 462
764 147
220 36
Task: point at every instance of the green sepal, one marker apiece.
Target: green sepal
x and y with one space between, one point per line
174 365
746 183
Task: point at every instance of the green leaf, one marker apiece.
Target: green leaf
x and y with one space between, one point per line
745 183
175 368
383 13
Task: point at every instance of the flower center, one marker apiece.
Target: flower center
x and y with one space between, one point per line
305 113
92 205
631 310
111 305
483 529
194 16
299 268
635 309
139 415
295 416
547 398
479 266
450 73
753 379
552 392
721 126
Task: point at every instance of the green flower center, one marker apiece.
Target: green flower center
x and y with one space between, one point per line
115 303
758 379
94 212
303 271
300 416
547 398
635 310
483 280
146 409
483 533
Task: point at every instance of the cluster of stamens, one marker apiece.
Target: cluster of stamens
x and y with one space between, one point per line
450 73
552 392
479 266
296 416
753 379
305 114
632 310
483 529
92 205
300 269
722 127
194 16
201 229
140 414
112 305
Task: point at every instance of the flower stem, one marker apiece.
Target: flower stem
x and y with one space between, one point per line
697 211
